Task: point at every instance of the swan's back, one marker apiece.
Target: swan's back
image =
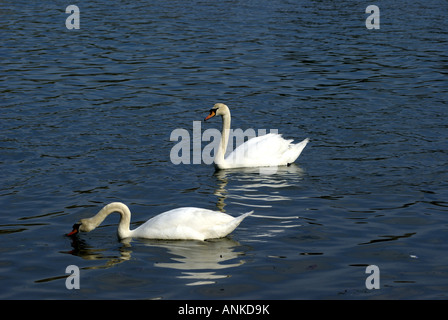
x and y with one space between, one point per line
189 223
267 150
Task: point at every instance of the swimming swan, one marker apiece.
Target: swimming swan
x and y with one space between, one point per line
262 151
186 223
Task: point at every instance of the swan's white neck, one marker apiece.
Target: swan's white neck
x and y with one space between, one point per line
220 162
125 220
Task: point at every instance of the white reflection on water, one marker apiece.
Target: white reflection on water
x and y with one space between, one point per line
200 260
254 189
249 188
197 260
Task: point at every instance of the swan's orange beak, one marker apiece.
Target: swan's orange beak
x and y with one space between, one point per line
75 229
211 115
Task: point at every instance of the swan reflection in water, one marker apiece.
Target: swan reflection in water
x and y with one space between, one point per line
200 260
256 187
262 189
197 261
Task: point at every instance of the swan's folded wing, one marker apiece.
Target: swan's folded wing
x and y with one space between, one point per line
267 150
188 223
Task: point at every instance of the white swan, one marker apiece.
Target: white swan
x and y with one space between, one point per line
178 224
262 151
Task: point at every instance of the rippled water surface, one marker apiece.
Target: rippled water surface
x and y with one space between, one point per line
86 118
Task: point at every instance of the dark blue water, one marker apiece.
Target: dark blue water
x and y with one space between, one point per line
86 117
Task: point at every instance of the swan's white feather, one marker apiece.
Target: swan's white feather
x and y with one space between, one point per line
189 223
186 223
263 151
269 150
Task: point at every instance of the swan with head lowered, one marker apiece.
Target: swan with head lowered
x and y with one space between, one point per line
262 151
186 223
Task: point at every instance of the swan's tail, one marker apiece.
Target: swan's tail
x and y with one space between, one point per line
235 222
297 149
222 230
244 215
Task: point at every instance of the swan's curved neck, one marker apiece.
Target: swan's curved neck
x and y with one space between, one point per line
125 220
219 157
